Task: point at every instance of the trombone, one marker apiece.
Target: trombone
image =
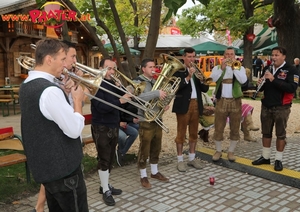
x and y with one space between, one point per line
93 86
105 102
138 88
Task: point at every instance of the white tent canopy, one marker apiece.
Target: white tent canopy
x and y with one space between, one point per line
174 41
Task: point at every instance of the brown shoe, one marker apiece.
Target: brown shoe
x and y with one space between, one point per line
145 183
160 177
217 156
231 156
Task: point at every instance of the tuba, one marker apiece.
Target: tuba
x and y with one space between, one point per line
26 62
200 75
166 82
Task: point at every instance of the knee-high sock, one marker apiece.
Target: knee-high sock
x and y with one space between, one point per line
143 173
232 146
218 146
266 152
154 168
104 178
278 155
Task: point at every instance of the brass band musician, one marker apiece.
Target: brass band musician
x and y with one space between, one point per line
150 132
229 76
188 106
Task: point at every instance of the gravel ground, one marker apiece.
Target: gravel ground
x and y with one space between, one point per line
169 119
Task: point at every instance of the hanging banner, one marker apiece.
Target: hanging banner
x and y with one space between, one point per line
228 37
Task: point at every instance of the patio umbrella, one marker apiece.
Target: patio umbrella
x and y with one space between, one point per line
211 48
120 49
266 50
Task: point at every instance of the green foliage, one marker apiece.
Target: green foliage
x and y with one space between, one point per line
13 184
174 5
219 15
126 14
13 181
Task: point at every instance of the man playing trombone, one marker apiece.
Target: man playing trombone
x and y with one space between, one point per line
105 128
279 85
66 84
53 146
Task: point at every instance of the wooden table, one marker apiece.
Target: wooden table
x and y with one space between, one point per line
9 94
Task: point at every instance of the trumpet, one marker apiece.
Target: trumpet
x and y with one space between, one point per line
262 83
200 75
234 64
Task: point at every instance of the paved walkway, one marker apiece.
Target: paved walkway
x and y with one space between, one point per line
191 191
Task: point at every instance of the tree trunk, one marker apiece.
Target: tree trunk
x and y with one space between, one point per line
93 34
286 19
153 29
136 38
248 45
110 37
122 36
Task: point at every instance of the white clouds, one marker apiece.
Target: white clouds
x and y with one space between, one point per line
188 4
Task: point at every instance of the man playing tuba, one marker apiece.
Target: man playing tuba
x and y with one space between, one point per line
150 132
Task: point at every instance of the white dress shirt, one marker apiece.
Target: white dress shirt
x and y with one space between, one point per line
54 107
194 93
240 76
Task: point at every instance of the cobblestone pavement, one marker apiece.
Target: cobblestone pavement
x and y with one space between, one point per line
191 191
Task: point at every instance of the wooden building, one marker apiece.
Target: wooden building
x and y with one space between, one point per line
17 33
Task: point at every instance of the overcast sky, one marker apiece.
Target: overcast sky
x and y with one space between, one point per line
188 4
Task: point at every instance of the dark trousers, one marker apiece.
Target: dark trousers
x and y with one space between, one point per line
68 194
277 116
106 140
257 72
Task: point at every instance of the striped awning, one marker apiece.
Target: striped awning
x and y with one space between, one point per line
266 37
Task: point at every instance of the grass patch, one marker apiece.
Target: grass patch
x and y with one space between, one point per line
13 184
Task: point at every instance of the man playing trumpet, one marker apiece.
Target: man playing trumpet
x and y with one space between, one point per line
229 77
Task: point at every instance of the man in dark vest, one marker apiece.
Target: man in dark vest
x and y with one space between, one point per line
51 130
